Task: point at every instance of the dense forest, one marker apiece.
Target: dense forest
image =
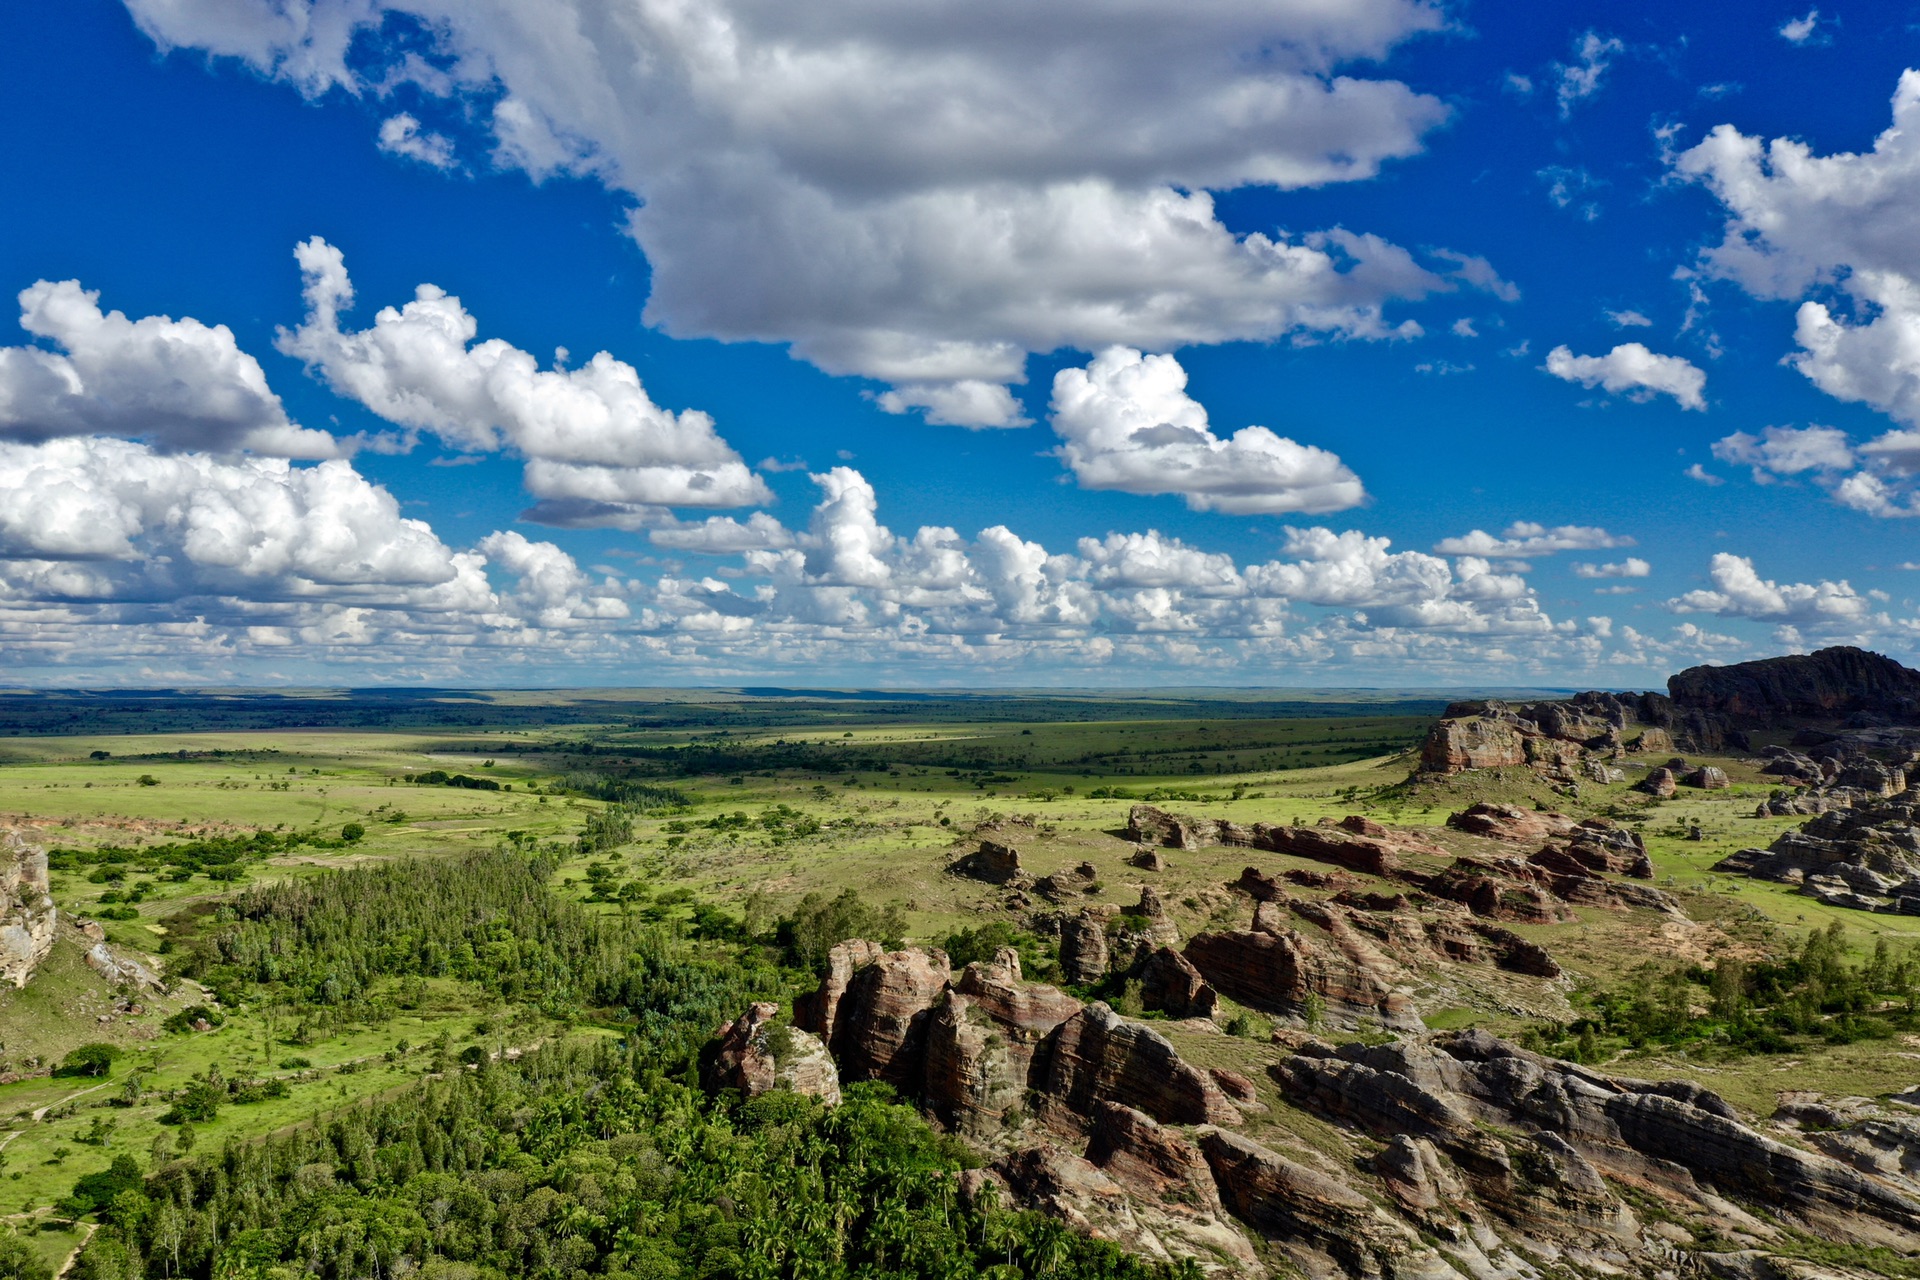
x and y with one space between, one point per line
580 1159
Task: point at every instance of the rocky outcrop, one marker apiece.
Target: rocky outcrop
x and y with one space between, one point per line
1509 822
1151 826
1098 1056
119 969
1084 954
1281 971
1170 985
992 862
1370 855
1832 689
756 1054
1866 857
27 915
880 1024
1707 778
818 1011
1553 738
1288 1201
983 1041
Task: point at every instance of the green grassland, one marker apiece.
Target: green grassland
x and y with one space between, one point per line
818 796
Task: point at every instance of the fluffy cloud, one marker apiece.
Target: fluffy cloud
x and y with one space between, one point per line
1740 592
597 448
401 135
922 198
1633 369
1524 538
1631 567
1802 30
1876 362
177 383
1787 451
1127 423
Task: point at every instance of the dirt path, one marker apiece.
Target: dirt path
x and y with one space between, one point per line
86 1233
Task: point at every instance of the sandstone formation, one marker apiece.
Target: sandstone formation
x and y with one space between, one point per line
1084 954
1866 857
1707 778
755 1054
121 970
1551 737
1659 783
993 862
874 1019
1171 985
1833 689
1283 971
27 915
1509 822
1098 1056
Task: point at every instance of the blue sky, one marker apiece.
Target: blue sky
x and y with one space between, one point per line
1370 342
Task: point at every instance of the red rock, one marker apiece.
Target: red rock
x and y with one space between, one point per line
1150 1161
755 1055
1509 822
1292 1202
1342 849
1279 971
1084 954
1258 885
1361 825
993 862
1170 985
1236 1086
1456 745
879 1032
816 1012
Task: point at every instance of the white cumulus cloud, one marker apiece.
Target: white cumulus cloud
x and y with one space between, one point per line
402 135
923 196
180 384
597 448
1631 567
1740 592
1632 369
1127 423
1525 538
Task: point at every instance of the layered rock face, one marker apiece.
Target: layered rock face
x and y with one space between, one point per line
27 915
1573 1125
1282 971
1551 737
1865 857
872 1009
1098 1056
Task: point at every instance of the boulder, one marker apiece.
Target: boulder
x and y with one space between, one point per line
1160 929
755 1054
1098 1056
1659 783
993 862
1148 1159
1477 742
1707 778
121 970
1170 985
1147 858
1149 825
1258 885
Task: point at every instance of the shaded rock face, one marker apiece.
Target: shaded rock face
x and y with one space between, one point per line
1827 688
1281 1198
983 1042
993 862
1279 970
1170 985
1148 825
27 915
754 1055
1342 848
819 1011
1099 1056
1084 954
879 1030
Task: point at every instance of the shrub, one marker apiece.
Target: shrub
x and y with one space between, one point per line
353 833
88 1060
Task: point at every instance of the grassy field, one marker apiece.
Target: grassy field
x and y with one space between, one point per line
835 796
